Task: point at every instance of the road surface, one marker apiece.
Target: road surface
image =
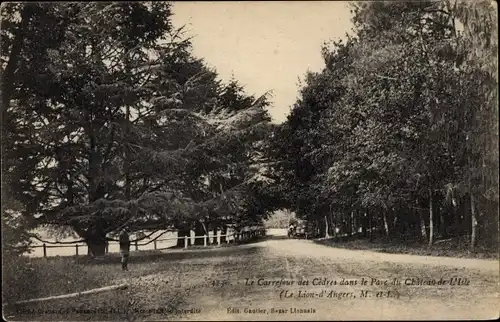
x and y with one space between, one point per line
254 282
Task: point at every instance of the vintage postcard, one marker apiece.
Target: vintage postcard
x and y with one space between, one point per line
237 161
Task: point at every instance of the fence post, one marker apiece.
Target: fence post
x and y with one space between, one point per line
136 245
218 240
44 250
107 247
227 238
76 246
186 242
205 240
154 243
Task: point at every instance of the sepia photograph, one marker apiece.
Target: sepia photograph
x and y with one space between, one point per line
249 160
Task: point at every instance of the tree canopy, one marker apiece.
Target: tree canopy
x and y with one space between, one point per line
109 120
401 121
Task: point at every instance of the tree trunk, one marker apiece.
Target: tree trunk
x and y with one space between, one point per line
351 224
96 248
126 143
96 244
356 222
442 224
431 219
321 226
465 220
206 230
95 238
380 223
364 222
370 227
334 225
223 232
396 224
327 235
198 232
214 239
474 224
180 241
181 234
386 223
126 157
422 226
454 224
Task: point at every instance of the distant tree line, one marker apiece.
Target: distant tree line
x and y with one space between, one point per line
279 220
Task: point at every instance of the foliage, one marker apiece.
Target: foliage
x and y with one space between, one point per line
111 121
279 219
402 118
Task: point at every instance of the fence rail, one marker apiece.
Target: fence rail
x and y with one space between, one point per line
233 237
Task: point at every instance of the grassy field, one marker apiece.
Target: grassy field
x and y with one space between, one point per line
40 277
155 279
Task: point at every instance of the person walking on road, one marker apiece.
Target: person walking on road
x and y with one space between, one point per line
124 248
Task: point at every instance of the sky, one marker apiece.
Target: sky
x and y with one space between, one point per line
264 45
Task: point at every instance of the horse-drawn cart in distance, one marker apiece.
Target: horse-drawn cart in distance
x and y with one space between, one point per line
299 228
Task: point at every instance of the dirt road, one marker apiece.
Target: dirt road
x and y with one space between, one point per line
279 279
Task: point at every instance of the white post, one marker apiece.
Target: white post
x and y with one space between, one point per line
227 238
205 240
185 241
218 240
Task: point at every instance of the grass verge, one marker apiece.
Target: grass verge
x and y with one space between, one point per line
29 278
455 247
159 283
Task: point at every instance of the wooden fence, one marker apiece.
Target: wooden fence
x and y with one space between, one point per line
238 236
